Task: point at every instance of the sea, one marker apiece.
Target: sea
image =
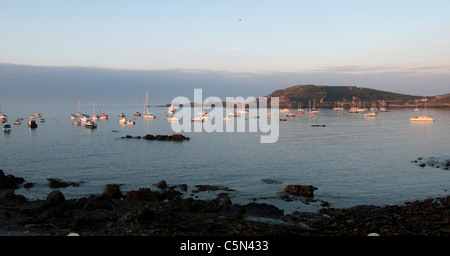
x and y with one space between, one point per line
350 159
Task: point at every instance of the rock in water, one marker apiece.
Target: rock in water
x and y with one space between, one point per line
300 190
162 184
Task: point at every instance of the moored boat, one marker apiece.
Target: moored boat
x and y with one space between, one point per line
32 124
173 119
6 127
90 124
422 118
123 120
147 114
371 114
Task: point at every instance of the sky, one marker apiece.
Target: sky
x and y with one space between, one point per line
397 43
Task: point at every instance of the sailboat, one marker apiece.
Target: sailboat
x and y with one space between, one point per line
383 107
299 109
353 109
314 109
417 107
338 107
173 119
94 116
2 115
374 106
202 115
103 116
137 113
230 109
310 112
425 117
360 109
147 114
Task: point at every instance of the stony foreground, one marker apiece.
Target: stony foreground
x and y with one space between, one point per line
164 211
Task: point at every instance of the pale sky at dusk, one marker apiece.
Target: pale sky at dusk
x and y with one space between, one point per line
408 38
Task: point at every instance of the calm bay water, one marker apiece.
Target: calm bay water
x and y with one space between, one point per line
353 160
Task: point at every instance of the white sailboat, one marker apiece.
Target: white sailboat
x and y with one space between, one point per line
2 115
103 116
147 114
94 115
202 115
425 118
353 109
300 110
230 109
137 113
383 107
339 106
310 112
299 107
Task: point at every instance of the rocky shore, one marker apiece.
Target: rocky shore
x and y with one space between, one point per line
165 212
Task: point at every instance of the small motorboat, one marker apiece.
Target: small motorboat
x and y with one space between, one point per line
149 116
90 124
6 127
174 119
371 114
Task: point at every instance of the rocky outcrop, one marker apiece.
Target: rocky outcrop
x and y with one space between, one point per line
174 137
165 212
55 197
300 190
146 194
9 181
262 210
57 183
10 195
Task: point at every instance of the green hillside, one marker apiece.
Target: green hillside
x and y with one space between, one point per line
327 96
